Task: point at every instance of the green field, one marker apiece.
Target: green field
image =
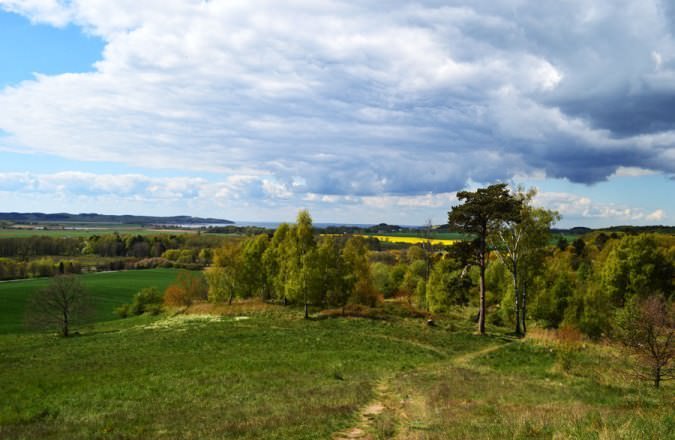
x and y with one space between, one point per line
108 289
268 374
17 233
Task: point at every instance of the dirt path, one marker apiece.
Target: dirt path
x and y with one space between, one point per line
389 415
463 360
367 415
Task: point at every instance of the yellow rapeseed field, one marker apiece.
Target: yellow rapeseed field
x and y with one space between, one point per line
411 240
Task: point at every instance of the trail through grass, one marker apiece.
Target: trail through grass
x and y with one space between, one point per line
262 372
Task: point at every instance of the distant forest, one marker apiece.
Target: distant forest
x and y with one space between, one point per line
38 217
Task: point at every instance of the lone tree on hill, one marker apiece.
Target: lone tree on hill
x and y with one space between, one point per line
63 303
647 329
482 213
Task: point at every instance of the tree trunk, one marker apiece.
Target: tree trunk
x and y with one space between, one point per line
481 310
306 310
524 308
657 377
517 303
64 329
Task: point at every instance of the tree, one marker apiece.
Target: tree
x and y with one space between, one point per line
519 242
224 276
562 243
357 274
482 213
332 283
275 265
447 285
299 259
63 303
636 266
647 329
253 279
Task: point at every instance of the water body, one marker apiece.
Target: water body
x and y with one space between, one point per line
274 225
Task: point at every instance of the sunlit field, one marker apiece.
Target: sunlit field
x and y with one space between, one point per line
411 240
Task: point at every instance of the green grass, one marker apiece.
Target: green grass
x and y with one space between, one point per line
108 289
273 375
18 233
518 390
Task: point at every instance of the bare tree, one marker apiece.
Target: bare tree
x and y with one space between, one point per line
64 303
647 329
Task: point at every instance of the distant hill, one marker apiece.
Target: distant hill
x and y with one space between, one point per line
582 230
39 217
625 229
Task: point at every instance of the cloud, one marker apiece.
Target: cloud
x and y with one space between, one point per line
248 196
632 172
578 208
233 190
340 99
656 216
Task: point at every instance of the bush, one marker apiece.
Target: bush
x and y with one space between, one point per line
154 309
365 294
174 296
189 286
148 300
144 298
122 311
569 339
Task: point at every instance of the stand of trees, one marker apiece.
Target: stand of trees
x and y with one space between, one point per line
294 266
616 285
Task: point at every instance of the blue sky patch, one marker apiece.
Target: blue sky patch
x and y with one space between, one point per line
26 48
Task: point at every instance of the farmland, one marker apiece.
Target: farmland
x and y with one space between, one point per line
408 239
108 290
86 232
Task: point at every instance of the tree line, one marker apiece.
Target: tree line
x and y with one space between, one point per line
604 285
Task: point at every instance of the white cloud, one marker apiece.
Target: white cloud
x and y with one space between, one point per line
632 172
574 207
235 189
335 90
339 105
656 216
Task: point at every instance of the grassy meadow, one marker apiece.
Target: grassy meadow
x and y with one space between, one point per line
259 371
108 289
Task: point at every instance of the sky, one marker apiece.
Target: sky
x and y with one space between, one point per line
361 113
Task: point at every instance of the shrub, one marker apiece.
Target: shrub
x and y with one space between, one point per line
189 287
569 339
144 298
153 309
122 311
364 293
175 296
148 300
